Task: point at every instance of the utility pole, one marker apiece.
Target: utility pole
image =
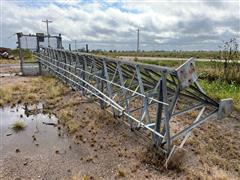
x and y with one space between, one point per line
87 48
75 41
47 21
137 43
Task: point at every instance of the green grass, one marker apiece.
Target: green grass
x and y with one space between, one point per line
211 79
27 56
162 63
210 70
177 63
173 54
221 90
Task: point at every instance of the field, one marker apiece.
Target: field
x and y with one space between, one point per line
120 90
27 56
211 77
167 54
110 143
99 145
211 71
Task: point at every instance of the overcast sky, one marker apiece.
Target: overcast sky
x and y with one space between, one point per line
164 25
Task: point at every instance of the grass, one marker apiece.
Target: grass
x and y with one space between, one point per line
162 63
18 126
221 90
31 91
172 54
177 63
27 56
43 88
31 96
55 91
16 61
7 61
66 117
211 70
120 173
211 79
72 126
5 96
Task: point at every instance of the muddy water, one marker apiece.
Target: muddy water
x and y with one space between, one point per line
37 135
39 151
8 74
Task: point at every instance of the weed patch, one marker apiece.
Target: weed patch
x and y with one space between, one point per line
44 87
66 118
18 126
220 90
210 74
5 96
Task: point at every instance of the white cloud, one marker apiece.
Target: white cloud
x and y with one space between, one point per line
113 24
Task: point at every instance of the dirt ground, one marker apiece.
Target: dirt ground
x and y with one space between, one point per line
9 68
101 147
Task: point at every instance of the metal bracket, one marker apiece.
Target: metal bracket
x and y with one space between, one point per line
186 73
225 108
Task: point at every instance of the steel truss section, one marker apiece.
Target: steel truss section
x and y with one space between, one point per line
169 103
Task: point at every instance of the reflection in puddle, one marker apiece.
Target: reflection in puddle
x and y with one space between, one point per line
31 115
8 74
40 129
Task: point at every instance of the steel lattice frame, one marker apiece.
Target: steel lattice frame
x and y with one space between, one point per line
147 97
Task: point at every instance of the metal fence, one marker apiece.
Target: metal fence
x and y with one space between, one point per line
34 42
147 97
28 43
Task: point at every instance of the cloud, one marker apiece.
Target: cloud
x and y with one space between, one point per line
167 25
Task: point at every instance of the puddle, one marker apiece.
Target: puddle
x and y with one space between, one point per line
38 152
9 74
40 133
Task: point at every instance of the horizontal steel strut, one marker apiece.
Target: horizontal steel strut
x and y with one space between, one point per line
166 102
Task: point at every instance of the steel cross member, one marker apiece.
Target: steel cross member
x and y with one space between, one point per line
168 103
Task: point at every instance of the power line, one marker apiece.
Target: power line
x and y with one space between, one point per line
12 35
47 21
